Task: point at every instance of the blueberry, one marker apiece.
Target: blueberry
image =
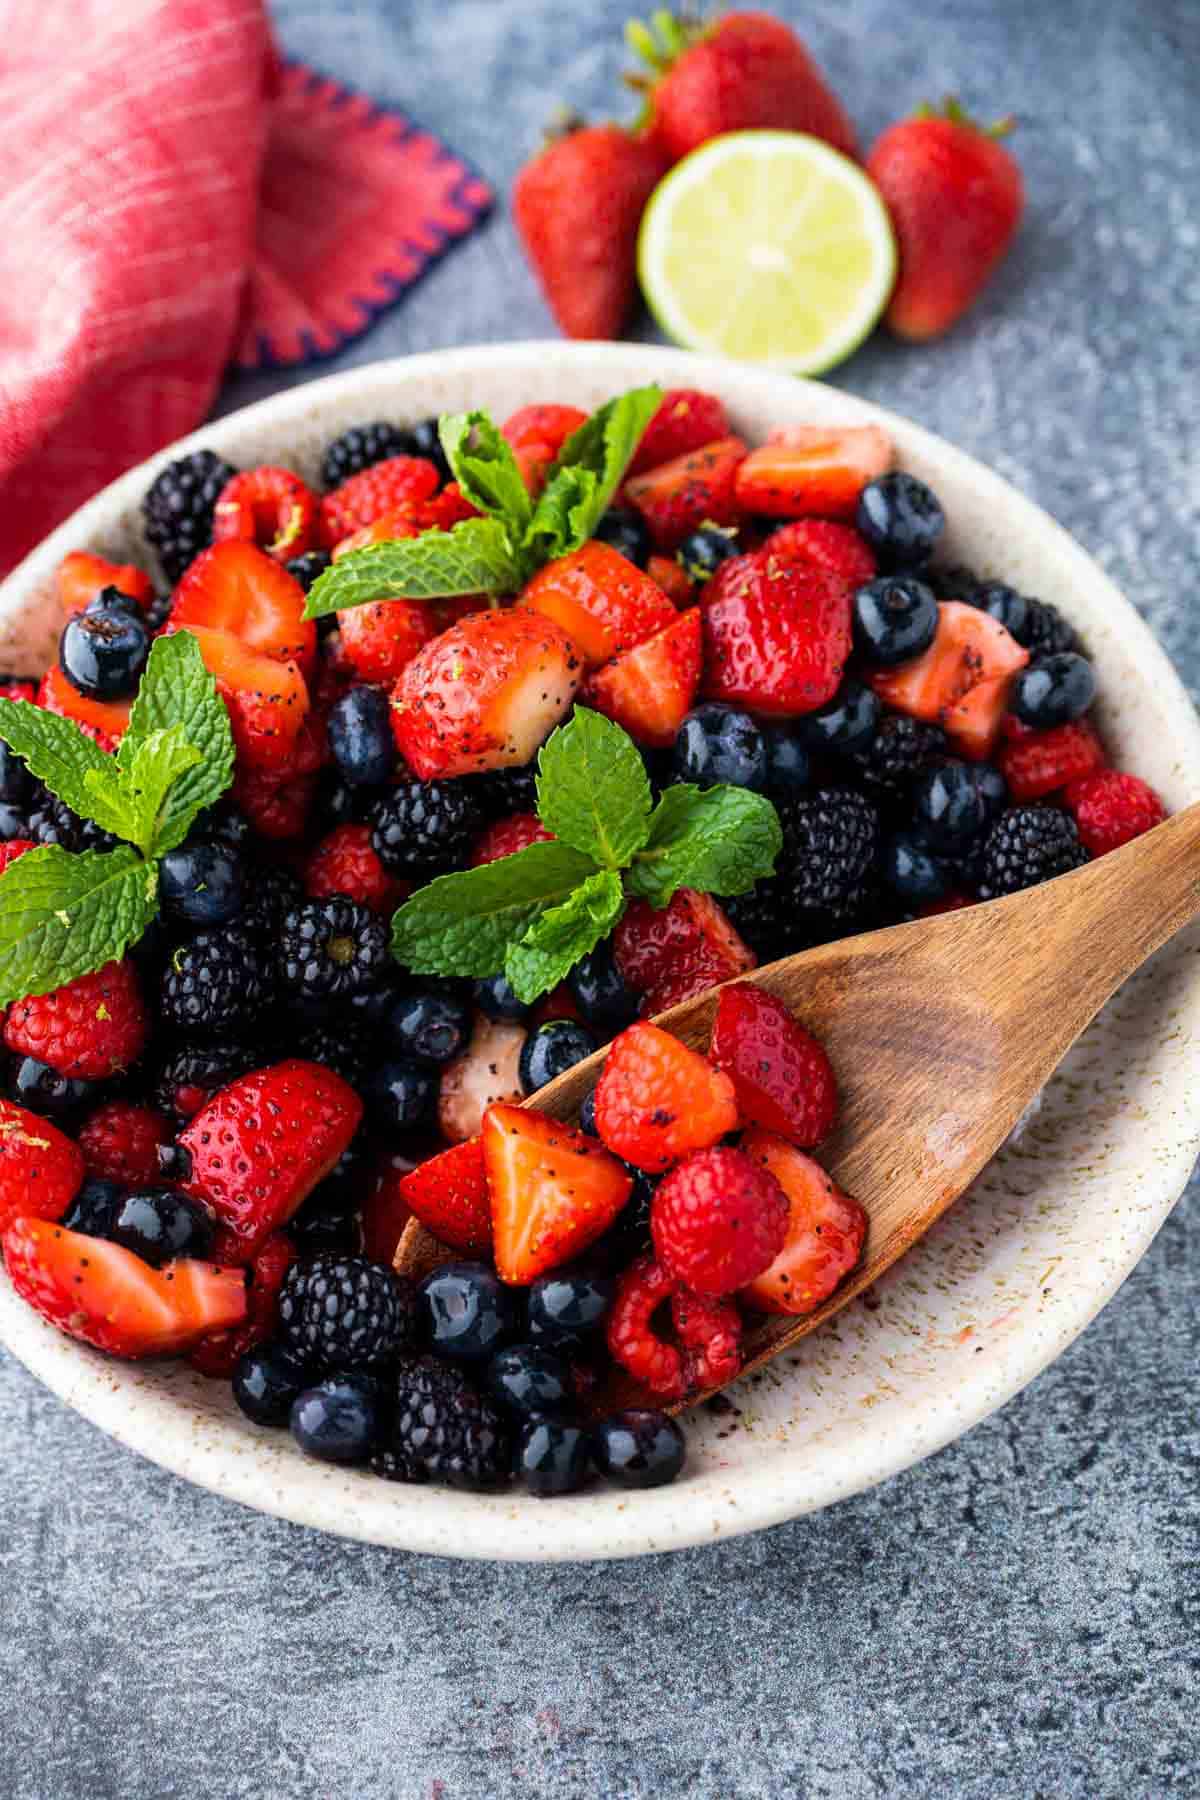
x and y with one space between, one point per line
426 441
1054 690
201 883
627 532
528 1378
471 1313
1003 604
338 1419
14 778
401 1094
43 1090
599 991
13 823
587 1115
702 552
111 599
900 518
788 766
496 1000
266 1383
103 654
360 736
846 722
550 1051
718 744
158 1224
429 1026
638 1448
567 1305
94 1207
895 619
911 869
993 788
553 1457
371 1008
949 805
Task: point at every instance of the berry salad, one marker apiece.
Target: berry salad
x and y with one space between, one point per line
361 812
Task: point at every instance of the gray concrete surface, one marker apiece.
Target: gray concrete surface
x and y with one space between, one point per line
1019 1616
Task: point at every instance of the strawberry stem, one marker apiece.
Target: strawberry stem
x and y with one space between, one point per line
953 110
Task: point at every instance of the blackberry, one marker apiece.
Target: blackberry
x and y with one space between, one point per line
424 827
443 1430
177 512
52 822
340 802
1047 633
425 439
765 917
322 1044
157 611
215 984
830 851
269 893
1027 845
901 749
361 448
331 949
954 582
346 1312
316 1227
306 568
193 1072
502 792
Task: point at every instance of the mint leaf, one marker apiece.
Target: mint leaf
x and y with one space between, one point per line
177 694
720 840
485 468
558 937
463 924
62 916
592 789
156 764
590 468
58 753
474 558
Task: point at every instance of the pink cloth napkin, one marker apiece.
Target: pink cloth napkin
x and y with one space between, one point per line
174 198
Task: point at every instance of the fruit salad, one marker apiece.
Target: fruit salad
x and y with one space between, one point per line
358 810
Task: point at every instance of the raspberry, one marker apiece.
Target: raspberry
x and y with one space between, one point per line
91 1028
271 508
710 1332
343 1312
1027 845
331 949
14 848
18 687
443 1430
830 545
360 448
190 1076
424 827
276 809
395 482
345 863
120 1142
506 836
1039 762
717 1221
178 509
215 984
218 1354
1111 809
632 1340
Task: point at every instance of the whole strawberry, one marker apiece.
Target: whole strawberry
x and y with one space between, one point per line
577 206
746 72
955 196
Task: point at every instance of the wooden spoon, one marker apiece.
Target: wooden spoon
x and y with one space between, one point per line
940 1032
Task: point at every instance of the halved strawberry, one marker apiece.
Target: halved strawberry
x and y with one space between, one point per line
691 490
449 1194
267 699
603 602
780 1073
687 419
381 638
236 587
108 1297
271 507
776 634
104 720
826 1230
81 577
961 682
504 837
827 543
650 690
672 578
552 1190
41 1168
813 471
683 950
656 1100
484 694
218 1353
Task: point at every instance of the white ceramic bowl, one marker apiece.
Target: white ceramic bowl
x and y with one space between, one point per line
1006 1280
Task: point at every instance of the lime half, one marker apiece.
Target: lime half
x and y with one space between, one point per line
770 247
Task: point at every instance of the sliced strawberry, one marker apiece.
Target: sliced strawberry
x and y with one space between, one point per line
504 837
236 587
484 694
686 420
218 1353
813 471
776 634
603 602
487 1071
553 1191
41 1169
270 507
973 723
780 1073
81 577
684 950
381 638
828 544
449 1194
961 681
108 1297
673 579
826 1230
650 690
692 490
656 1100
1047 760
546 426
267 699
104 720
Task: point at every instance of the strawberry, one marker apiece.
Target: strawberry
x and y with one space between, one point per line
261 1145
345 862
92 1028
780 1073
379 640
672 578
1111 809
547 427
961 682
104 720
577 206
449 1194
656 1100
19 687
813 471
218 1353
484 694
687 420
81 577
955 196
745 72
1042 761
385 1211
717 1221
14 848
111 1299
267 699
829 545
651 689
670 955
552 1191
696 489
825 1233
951 902
398 481
776 634
603 602
487 1071
269 507
121 1141
41 1169
504 837
235 587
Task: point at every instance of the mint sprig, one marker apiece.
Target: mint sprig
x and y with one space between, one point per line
535 914
61 915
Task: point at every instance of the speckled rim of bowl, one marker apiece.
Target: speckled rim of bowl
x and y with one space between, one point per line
889 1382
